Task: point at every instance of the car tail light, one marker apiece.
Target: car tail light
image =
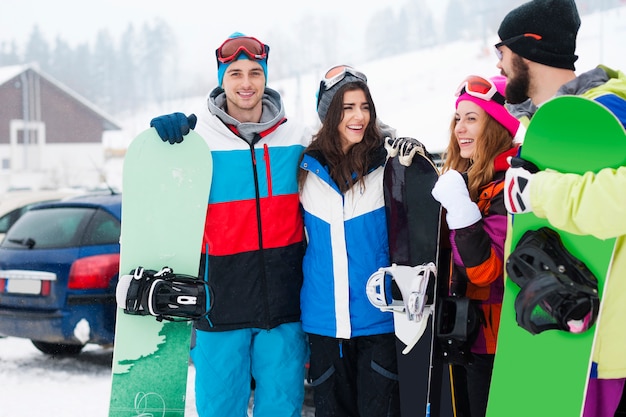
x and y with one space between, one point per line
94 272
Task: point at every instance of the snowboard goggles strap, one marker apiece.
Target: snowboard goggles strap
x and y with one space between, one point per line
338 73
233 47
479 87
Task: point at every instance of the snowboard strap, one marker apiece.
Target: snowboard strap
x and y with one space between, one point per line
558 291
163 294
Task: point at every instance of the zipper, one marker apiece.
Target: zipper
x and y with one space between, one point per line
268 169
260 229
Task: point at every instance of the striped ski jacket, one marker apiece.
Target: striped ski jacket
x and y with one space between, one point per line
253 237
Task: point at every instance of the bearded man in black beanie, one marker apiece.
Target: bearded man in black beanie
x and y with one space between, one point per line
537 55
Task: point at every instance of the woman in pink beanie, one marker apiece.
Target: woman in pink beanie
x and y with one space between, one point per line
471 191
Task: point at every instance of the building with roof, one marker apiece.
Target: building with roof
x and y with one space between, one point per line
50 137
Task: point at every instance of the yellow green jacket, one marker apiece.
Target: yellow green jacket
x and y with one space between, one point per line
593 205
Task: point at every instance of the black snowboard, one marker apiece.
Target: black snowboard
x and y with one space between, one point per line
414 220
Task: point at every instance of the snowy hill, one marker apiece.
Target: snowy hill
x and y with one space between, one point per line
414 92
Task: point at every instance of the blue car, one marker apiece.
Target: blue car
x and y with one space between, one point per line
59 266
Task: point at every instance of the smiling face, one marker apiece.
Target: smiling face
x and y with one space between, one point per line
355 118
244 85
470 122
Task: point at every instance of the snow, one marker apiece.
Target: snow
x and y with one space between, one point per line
37 384
34 384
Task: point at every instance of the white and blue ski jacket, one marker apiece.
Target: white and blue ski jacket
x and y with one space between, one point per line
347 242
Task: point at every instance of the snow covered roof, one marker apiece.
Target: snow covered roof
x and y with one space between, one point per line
9 72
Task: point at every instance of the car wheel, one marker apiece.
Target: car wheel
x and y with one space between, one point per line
57 348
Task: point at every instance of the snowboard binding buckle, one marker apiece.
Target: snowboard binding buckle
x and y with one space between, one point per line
163 294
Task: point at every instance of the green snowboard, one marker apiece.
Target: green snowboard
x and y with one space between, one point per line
164 201
546 374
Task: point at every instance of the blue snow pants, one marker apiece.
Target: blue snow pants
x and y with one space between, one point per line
226 361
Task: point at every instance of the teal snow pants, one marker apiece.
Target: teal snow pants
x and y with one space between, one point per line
226 361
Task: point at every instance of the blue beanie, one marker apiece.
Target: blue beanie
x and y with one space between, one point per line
221 68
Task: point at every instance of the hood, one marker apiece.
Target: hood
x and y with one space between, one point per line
273 113
500 162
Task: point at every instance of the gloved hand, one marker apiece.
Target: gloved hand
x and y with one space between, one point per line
451 191
405 147
172 127
517 185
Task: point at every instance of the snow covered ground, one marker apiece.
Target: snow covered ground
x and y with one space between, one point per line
34 384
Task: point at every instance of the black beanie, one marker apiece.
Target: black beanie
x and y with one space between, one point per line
556 21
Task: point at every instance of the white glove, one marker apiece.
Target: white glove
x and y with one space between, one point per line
451 191
405 148
517 188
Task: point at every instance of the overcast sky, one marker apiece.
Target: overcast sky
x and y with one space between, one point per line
79 19
199 26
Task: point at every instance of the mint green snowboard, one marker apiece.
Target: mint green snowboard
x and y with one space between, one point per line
546 374
164 201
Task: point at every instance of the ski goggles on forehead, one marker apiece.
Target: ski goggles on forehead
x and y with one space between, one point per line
480 87
514 39
232 48
338 73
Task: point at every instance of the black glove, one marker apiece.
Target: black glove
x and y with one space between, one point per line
172 127
517 162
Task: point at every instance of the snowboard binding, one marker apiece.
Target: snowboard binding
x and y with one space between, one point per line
163 294
412 283
558 291
457 325
402 290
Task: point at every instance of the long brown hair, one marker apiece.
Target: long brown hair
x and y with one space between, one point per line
494 139
349 168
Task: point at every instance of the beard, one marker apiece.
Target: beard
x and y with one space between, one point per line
517 86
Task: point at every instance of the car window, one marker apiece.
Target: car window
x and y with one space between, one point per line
103 229
8 219
57 227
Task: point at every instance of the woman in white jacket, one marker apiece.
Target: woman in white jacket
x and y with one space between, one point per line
353 366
